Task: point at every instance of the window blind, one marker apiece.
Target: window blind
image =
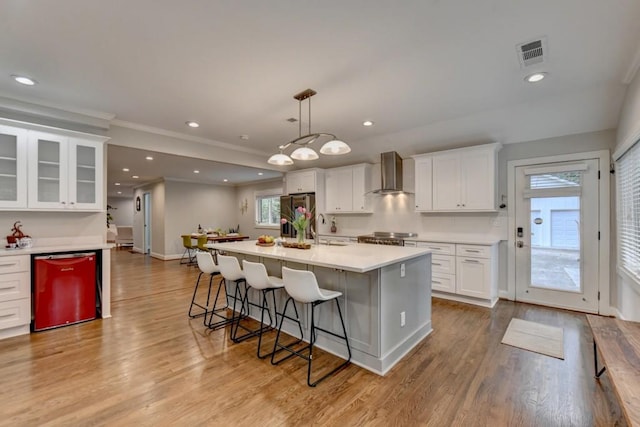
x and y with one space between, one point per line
628 183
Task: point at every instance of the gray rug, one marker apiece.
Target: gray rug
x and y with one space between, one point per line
536 337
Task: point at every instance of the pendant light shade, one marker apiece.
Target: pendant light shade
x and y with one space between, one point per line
335 147
280 159
303 151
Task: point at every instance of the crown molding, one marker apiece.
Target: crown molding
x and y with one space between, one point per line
184 136
50 110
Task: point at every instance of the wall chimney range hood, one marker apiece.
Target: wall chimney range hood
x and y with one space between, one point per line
391 173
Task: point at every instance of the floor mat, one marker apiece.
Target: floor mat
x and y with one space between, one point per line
536 337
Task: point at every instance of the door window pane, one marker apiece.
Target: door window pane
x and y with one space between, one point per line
555 257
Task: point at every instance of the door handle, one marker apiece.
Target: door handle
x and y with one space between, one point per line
519 244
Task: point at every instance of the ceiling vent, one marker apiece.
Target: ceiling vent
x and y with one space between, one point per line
532 52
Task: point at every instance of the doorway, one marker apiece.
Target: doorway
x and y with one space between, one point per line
557 255
147 223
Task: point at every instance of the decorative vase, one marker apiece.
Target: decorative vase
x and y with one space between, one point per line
300 234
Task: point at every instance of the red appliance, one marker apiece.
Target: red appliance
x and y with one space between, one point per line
64 289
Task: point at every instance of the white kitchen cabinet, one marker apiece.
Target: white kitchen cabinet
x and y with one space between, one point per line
346 189
303 181
463 272
465 179
13 167
423 184
15 295
65 172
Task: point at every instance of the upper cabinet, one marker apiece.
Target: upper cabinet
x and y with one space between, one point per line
64 172
347 188
463 179
50 170
13 167
303 181
423 185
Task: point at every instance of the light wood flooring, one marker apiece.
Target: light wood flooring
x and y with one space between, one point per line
151 365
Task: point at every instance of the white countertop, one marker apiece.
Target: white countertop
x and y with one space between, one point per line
55 248
357 257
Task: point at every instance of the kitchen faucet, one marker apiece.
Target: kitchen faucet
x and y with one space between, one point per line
316 236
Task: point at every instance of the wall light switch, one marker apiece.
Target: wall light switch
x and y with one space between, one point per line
403 319
402 270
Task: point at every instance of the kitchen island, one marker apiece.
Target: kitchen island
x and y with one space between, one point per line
386 295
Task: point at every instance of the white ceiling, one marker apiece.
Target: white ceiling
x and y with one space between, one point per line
430 73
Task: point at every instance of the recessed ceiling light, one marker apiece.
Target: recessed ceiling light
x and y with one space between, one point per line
225 180
535 77
260 173
244 137
125 169
367 123
135 177
27 81
196 171
117 183
192 124
149 158
119 192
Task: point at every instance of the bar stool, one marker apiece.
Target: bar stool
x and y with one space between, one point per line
257 278
302 286
226 269
231 272
207 266
189 251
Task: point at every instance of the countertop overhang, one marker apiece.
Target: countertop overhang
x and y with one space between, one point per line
55 249
356 257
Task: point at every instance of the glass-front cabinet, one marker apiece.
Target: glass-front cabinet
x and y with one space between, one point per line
64 172
13 167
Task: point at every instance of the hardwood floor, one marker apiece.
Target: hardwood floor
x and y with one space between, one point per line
150 365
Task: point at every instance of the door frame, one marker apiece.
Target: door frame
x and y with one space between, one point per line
146 224
604 222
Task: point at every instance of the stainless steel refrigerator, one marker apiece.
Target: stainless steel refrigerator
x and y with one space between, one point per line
288 206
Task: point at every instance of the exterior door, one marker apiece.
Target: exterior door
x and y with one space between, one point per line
557 243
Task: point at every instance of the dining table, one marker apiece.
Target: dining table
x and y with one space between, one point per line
218 238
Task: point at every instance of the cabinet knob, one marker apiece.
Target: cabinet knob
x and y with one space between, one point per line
64 203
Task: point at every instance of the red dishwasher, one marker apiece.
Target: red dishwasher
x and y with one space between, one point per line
64 289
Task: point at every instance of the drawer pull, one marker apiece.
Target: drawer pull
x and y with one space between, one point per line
6 316
8 264
435 263
475 251
434 248
7 288
471 260
436 282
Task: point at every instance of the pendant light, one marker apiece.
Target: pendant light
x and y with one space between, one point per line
303 150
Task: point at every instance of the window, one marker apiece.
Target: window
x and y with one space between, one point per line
628 175
268 208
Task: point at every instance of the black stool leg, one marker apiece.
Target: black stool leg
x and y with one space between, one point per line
225 320
193 299
313 339
277 347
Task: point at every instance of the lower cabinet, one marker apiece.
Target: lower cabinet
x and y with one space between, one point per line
467 273
15 295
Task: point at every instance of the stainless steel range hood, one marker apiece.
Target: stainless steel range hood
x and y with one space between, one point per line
391 173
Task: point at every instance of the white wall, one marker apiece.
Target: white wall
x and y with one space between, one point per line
51 225
247 219
627 296
122 211
187 205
